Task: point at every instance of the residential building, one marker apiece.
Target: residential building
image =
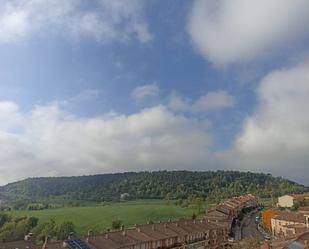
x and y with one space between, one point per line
301 242
229 210
288 201
184 234
288 223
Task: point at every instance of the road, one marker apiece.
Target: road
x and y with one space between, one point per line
249 227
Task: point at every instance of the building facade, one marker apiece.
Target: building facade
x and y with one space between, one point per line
286 201
288 223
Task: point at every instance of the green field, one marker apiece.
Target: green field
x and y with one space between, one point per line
99 218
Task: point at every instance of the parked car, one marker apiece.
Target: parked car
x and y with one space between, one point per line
267 237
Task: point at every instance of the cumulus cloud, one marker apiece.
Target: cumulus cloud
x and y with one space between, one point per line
212 101
141 92
102 20
276 136
55 142
238 31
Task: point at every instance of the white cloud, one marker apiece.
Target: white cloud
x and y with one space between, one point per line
9 116
141 92
212 101
238 31
276 136
103 20
55 142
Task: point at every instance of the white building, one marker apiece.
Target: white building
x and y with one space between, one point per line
286 201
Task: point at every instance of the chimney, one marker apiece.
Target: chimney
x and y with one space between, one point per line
45 242
124 233
71 236
153 227
88 236
29 237
107 235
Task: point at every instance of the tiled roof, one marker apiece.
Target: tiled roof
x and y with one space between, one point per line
290 216
304 209
299 242
151 233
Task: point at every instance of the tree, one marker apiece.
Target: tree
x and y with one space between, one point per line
64 229
16 229
32 222
193 216
116 224
296 206
4 218
20 204
197 204
44 230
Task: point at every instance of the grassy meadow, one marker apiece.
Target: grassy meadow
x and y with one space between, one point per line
99 217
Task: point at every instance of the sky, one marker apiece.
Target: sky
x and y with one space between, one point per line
104 86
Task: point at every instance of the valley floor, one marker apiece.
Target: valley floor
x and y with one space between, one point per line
99 217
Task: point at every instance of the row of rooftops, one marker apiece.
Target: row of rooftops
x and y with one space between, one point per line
301 197
290 217
230 209
167 233
180 231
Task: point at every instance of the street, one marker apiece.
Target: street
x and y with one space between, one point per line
249 227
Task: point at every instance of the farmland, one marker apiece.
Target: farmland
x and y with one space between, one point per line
99 217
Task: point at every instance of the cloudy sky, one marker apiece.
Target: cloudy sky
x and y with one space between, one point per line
127 85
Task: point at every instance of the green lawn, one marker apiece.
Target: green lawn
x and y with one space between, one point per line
99 218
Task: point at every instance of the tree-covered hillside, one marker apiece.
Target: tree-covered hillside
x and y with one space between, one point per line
143 185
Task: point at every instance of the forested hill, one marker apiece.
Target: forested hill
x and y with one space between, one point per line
161 184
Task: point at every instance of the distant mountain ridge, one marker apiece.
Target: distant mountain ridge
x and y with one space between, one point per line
146 185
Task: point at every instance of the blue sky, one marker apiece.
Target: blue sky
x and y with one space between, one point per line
146 85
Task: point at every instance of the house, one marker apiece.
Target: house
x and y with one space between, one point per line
288 223
304 210
301 242
288 201
229 210
302 199
181 234
184 234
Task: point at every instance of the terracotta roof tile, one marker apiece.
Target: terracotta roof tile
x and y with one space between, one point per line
290 216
